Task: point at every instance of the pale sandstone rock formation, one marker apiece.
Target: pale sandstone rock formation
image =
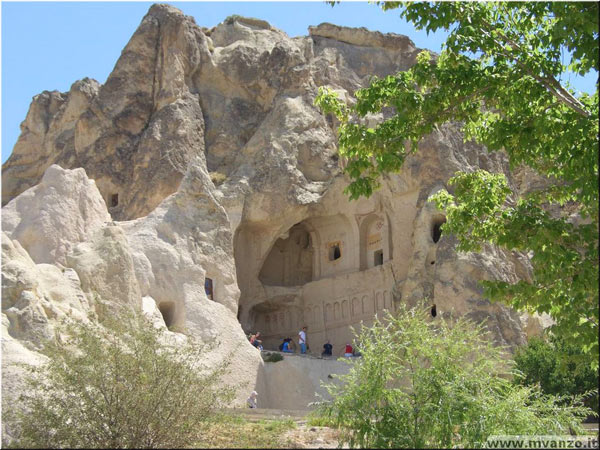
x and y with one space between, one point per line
105 267
15 356
226 189
48 219
37 296
159 257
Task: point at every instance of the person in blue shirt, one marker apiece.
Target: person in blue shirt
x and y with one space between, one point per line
286 346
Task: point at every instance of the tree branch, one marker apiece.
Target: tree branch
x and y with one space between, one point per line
549 82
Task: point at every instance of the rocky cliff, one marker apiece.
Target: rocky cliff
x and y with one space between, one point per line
201 185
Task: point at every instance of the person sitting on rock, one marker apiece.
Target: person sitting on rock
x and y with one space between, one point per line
286 346
251 402
348 352
254 340
327 349
292 345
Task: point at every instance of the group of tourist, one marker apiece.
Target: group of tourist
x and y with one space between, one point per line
349 351
289 346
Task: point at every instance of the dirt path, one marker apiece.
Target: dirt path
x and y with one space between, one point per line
306 436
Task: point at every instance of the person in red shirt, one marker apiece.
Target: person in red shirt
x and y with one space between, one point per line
348 351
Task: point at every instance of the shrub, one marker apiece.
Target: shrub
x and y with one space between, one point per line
217 177
426 384
540 362
123 385
272 357
229 20
316 420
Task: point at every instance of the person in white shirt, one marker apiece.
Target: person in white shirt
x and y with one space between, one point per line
302 340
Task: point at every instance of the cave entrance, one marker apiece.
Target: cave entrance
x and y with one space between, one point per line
436 228
167 310
290 261
276 319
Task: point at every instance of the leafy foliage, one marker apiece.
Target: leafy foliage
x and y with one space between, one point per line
120 386
539 362
432 384
499 76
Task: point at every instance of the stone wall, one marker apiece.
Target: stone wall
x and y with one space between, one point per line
296 381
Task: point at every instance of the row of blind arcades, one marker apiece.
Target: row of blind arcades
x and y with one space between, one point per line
365 304
339 311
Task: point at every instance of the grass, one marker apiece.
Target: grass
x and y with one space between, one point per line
226 431
314 420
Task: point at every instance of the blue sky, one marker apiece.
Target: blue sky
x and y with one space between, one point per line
50 45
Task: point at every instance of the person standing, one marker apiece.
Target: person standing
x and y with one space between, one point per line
302 340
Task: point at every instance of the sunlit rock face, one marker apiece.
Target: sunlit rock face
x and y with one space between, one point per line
200 185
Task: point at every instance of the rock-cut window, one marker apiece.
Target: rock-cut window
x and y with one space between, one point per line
114 200
208 288
378 258
334 251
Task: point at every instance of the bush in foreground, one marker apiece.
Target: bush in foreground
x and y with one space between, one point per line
429 384
540 362
124 385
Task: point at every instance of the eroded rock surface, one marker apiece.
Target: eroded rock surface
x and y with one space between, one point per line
200 185
48 219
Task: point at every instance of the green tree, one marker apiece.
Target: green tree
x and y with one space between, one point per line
499 76
539 362
122 385
430 384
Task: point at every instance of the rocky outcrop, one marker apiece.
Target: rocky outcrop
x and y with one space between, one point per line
35 297
105 267
50 218
201 186
135 134
163 259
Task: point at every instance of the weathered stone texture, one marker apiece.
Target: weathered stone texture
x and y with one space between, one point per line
205 149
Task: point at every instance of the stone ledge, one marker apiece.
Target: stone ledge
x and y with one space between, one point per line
363 37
